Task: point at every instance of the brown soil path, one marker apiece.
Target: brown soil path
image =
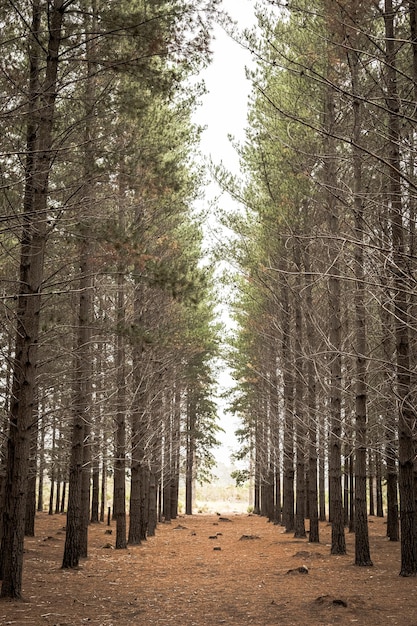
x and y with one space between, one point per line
198 571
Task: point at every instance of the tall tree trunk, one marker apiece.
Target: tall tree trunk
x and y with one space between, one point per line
411 202
134 536
378 474
275 434
51 491
313 507
167 452
338 545
31 493
255 458
119 485
5 427
137 484
52 470
86 315
287 363
38 164
362 550
153 501
81 407
41 464
300 430
86 475
58 493
352 499
371 482
190 453
388 409
176 445
103 499
406 420
139 426
323 455
95 475
83 370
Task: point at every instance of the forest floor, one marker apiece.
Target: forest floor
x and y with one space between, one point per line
203 571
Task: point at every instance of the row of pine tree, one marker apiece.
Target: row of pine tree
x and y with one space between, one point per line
107 316
325 352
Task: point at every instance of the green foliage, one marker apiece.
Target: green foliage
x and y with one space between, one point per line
240 476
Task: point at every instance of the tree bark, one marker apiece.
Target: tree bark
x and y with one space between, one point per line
176 445
338 545
95 475
288 518
41 465
313 507
167 469
119 485
362 550
31 493
388 409
190 453
138 426
406 446
300 430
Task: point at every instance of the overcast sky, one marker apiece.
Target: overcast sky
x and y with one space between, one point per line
224 108
224 112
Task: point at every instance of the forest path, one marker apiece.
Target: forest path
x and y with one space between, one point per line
202 571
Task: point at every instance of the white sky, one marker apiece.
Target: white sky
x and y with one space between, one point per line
224 108
224 112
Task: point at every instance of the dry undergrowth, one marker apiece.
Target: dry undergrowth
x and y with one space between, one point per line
202 571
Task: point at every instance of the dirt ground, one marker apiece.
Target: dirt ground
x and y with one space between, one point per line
203 571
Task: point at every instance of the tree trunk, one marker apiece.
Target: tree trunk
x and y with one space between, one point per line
176 445
119 485
134 510
41 463
52 472
95 495
58 494
190 452
103 499
406 420
352 499
371 488
313 505
275 434
390 419
269 494
362 550
72 536
257 476
379 496
135 535
322 447
167 470
288 483
86 312
51 492
338 545
63 496
85 489
153 502
31 493
37 169
300 430
347 496
139 476
79 479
